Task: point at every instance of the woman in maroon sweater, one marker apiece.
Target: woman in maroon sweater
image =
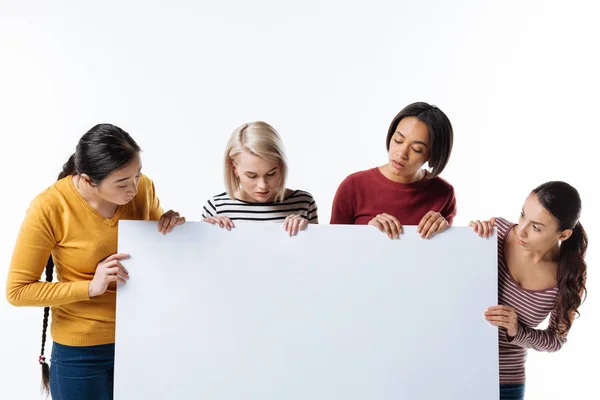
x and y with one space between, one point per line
541 271
401 191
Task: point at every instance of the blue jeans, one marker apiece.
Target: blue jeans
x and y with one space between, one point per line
85 372
512 391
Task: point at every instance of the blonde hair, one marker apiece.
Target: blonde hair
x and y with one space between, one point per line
261 139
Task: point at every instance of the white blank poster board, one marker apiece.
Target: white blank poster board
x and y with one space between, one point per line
337 312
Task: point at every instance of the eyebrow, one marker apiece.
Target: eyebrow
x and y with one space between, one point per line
533 222
254 173
124 179
416 141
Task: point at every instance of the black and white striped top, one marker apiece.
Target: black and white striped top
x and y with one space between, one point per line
296 202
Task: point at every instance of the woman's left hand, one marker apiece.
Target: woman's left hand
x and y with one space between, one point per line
294 223
505 317
168 221
431 223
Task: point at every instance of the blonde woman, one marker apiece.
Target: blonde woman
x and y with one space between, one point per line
255 177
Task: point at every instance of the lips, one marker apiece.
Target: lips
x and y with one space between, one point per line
522 243
397 164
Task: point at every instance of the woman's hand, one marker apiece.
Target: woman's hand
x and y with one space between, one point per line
107 271
294 223
388 224
220 220
168 221
505 317
483 228
433 222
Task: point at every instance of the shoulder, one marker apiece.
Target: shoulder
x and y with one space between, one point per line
220 198
215 204
503 222
504 226
441 185
53 199
298 195
362 175
359 178
49 207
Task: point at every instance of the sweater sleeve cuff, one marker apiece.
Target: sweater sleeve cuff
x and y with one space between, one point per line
520 339
81 290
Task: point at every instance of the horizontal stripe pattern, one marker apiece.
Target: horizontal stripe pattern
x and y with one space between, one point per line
297 202
532 307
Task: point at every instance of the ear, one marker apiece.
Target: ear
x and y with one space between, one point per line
564 235
87 179
235 171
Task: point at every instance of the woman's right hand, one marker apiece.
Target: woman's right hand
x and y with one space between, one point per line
388 224
107 271
220 220
483 228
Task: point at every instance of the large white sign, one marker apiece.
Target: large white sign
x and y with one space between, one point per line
336 313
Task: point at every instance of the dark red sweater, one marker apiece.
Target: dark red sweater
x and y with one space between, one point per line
363 195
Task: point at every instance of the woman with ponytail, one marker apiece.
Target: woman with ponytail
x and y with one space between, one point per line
541 272
73 225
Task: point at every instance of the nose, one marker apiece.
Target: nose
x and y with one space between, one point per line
262 184
522 230
134 189
403 151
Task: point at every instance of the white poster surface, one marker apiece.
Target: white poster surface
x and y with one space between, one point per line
336 312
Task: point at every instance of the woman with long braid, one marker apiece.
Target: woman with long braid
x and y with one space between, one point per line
73 225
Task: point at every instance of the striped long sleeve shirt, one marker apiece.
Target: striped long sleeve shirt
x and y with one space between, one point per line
296 202
532 307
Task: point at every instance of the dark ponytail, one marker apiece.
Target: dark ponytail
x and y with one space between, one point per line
103 149
563 202
69 168
572 275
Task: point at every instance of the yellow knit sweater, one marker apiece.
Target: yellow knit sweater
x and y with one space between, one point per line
61 222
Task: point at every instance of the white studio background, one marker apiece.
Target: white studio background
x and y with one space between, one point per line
517 79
